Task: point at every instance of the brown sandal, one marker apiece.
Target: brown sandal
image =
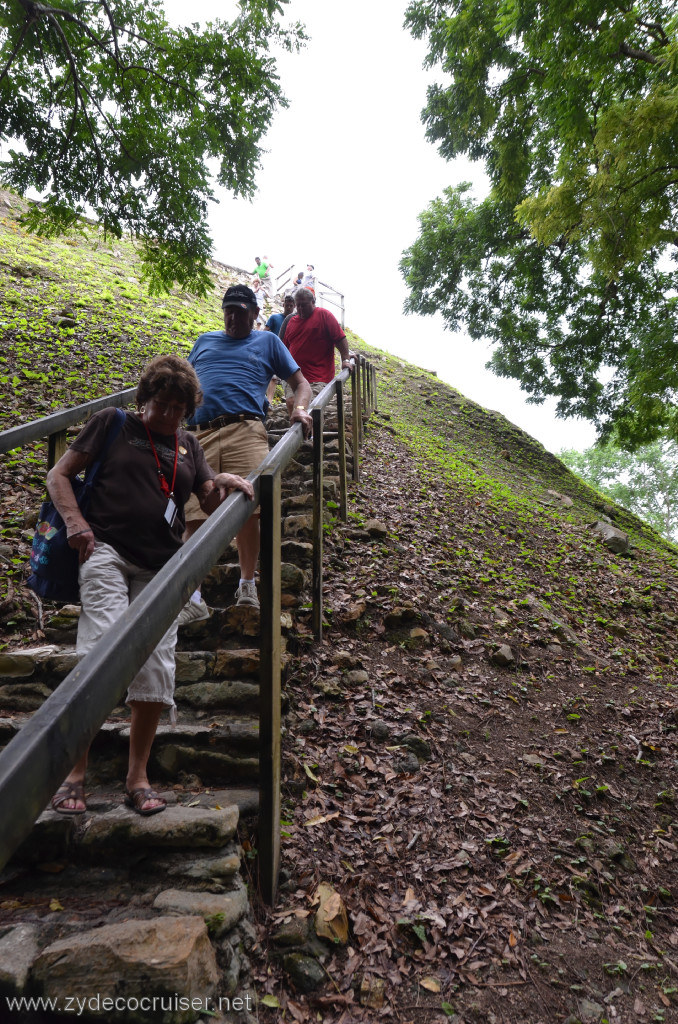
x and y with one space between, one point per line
69 791
136 798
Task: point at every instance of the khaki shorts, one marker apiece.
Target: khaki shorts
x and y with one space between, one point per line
238 448
108 583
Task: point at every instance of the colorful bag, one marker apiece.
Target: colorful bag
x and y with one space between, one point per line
54 564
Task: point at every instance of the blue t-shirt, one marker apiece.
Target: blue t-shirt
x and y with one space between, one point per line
274 322
235 372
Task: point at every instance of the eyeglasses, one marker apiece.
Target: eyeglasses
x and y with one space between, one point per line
173 408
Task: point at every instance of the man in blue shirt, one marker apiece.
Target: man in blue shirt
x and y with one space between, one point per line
275 320
234 367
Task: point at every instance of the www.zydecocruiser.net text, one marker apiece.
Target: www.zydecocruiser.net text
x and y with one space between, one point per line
95 1004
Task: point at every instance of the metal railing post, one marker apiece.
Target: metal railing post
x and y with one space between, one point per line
341 435
318 503
374 386
356 416
56 447
269 686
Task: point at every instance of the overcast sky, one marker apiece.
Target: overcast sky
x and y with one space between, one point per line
346 173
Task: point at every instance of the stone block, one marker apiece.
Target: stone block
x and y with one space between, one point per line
177 827
62 663
298 526
297 501
229 664
18 950
220 911
292 578
23 663
138 961
208 764
192 666
209 695
243 620
23 696
297 551
224 865
614 540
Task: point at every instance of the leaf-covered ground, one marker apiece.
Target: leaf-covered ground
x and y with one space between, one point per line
502 835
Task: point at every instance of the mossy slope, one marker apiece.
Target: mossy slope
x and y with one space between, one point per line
76 318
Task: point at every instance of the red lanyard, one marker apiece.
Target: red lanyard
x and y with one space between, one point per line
164 486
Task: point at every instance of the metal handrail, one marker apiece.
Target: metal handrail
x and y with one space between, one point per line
60 731
35 430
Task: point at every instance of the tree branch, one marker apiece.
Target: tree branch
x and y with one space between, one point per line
644 177
37 10
655 30
629 51
16 49
78 94
114 30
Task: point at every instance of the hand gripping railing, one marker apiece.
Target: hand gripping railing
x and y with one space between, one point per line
59 732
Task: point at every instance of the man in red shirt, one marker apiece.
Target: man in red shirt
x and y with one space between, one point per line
312 336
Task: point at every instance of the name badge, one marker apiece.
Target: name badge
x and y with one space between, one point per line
170 512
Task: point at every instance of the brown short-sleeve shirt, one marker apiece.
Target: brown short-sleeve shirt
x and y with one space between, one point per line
128 505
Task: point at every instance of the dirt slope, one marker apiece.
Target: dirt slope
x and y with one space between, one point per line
501 835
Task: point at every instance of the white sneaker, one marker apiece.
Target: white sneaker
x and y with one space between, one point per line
193 611
247 594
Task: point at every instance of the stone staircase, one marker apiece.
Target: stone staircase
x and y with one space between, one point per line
114 905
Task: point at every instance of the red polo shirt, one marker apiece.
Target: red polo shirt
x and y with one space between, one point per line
311 343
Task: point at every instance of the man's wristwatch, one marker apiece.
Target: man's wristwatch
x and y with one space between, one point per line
302 407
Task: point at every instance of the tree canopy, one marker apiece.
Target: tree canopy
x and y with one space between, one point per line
569 264
645 482
108 110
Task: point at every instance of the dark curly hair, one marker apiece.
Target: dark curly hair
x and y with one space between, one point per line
172 374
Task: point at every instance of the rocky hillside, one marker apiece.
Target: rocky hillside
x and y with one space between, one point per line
481 754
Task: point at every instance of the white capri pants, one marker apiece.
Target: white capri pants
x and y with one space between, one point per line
108 583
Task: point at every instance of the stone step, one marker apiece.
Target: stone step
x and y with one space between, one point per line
294 502
300 484
28 676
304 457
127 904
210 748
220 584
109 829
203 821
